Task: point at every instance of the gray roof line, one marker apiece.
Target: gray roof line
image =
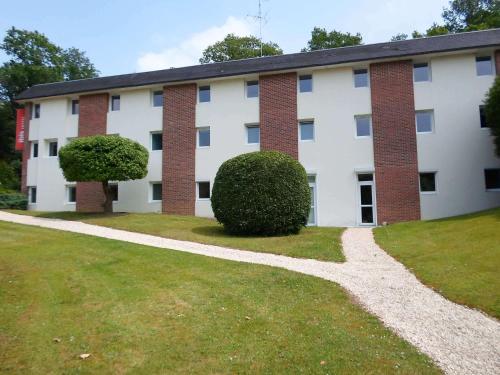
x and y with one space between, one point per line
350 54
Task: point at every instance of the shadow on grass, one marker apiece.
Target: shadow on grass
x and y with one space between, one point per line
217 230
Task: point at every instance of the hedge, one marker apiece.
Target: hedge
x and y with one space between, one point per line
261 193
13 200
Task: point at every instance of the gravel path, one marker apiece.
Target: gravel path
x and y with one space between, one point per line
459 339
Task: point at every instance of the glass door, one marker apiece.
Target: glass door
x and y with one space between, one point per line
312 212
366 199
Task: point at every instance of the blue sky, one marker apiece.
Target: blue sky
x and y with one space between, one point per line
124 36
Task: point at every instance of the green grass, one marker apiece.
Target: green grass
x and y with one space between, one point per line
313 242
459 257
143 310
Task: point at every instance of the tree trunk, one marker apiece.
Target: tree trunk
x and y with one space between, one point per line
108 202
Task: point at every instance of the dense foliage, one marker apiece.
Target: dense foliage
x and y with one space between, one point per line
322 39
13 200
263 193
492 112
103 158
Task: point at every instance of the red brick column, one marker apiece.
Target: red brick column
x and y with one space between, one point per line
497 61
278 113
179 146
395 142
27 149
91 121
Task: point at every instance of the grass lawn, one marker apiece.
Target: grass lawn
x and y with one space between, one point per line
459 256
313 242
145 310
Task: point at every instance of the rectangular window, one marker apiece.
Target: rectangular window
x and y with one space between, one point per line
156 141
36 112
71 193
492 179
252 89
424 120
305 83
32 194
114 191
158 98
421 72
203 137
253 134
34 149
306 130
484 66
482 117
427 182
361 78
204 94
52 148
115 103
75 107
203 190
363 126
156 191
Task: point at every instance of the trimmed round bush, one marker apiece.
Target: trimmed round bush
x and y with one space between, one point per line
263 193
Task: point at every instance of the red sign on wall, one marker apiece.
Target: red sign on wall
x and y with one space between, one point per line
20 129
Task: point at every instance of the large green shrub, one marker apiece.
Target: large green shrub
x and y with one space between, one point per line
492 112
12 199
263 193
102 159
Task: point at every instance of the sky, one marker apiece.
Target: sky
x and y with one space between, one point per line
126 36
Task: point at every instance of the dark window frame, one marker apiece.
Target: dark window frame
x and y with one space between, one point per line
252 126
423 184
369 118
154 145
204 94
34 153
428 72
361 73
156 94
154 193
51 150
32 197
307 122
198 138
252 89
75 107
480 59
427 111
206 184
488 180
115 103
482 118
36 111
71 188
305 83
114 187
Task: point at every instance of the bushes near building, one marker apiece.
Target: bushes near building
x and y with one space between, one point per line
261 193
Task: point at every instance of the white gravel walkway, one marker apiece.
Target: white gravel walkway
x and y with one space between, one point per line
459 339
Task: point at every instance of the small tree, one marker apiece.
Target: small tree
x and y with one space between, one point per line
102 159
492 112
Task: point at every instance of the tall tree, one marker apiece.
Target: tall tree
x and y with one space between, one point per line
492 112
234 47
398 37
322 39
33 59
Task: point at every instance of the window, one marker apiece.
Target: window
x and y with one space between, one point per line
34 149
361 78
115 103
75 107
71 193
156 141
158 98
492 179
484 66
114 191
252 89
311 179
421 72
482 117
204 94
424 120
204 137
52 148
253 134
32 194
156 191
305 83
427 182
363 126
203 190
36 112
306 130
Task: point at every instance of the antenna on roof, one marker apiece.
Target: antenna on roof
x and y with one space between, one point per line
259 17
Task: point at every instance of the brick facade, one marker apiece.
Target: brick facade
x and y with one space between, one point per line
278 113
179 146
497 61
27 149
91 121
395 142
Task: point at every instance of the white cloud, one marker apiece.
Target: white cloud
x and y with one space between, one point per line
190 50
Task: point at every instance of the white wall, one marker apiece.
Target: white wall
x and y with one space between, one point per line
336 154
458 149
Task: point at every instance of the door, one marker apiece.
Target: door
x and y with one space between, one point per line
366 199
312 211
